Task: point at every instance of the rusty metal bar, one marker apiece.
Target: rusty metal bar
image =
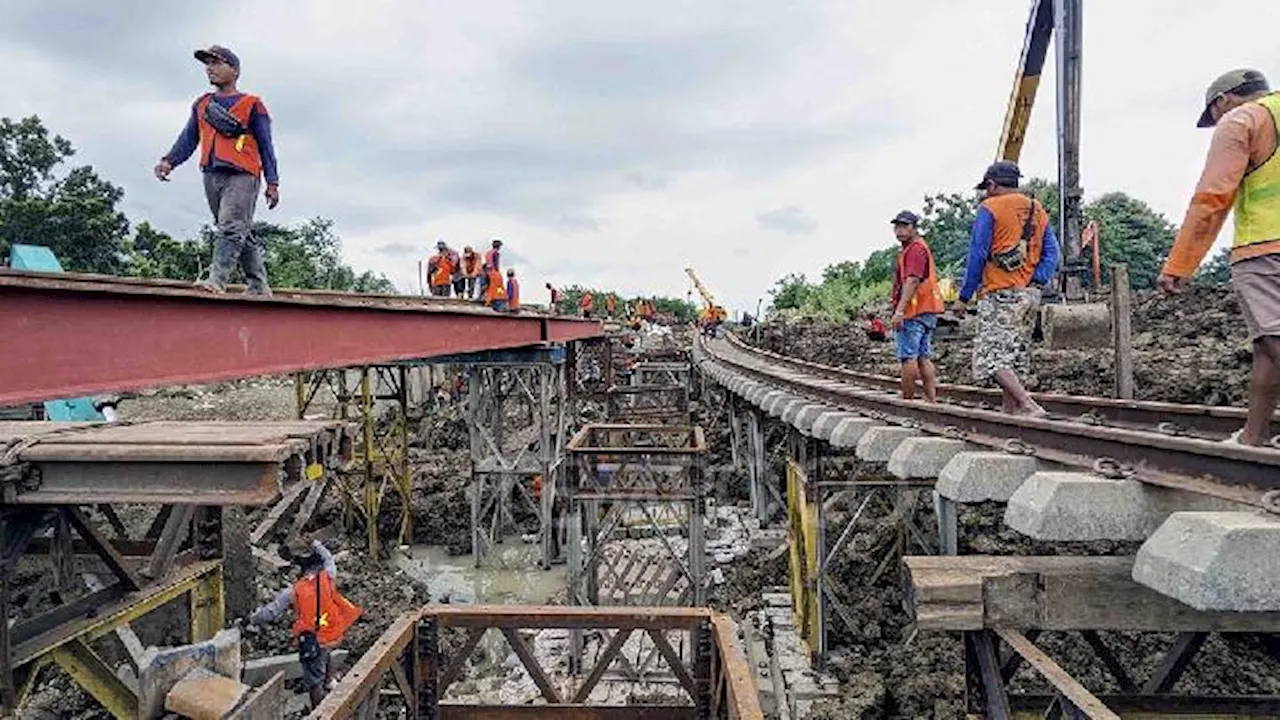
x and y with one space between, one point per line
1232 472
1211 420
197 337
1069 687
365 677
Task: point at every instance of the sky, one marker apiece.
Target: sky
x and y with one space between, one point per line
614 144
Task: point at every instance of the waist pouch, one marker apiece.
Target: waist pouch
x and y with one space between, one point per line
223 121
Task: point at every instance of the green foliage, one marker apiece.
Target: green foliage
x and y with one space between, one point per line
1217 270
680 310
1131 233
77 216
790 292
945 222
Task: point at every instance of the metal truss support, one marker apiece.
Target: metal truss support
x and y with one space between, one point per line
649 403
637 499
516 414
660 373
377 398
183 557
824 518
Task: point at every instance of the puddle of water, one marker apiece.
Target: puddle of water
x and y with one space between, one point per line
510 576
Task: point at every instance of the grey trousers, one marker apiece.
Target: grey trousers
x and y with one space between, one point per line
232 197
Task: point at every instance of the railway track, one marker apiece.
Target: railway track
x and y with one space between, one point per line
1165 444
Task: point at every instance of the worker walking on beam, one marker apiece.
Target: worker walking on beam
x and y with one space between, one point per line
1012 254
916 306
440 270
321 615
233 131
1241 172
470 272
513 291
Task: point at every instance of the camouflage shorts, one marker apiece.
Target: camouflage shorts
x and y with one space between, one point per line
1006 319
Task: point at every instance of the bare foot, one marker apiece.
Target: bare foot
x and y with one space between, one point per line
208 287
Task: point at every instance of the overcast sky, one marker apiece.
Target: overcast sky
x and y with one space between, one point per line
614 143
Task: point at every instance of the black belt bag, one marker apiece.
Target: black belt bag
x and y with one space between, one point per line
222 120
1015 258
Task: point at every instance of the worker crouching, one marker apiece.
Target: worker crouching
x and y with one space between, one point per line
321 616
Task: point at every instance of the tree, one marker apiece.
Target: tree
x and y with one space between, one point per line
154 254
946 223
789 292
1131 232
1217 271
308 256
76 215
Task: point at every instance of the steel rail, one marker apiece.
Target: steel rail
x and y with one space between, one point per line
1231 472
1169 418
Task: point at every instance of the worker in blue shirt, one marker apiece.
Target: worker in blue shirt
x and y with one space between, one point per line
1012 254
233 131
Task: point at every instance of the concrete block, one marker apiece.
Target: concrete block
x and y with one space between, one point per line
204 695
748 387
793 411
1081 506
161 669
1214 561
878 443
850 431
758 394
923 457
827 422
807 416
259 670
979 476
779 406
768 397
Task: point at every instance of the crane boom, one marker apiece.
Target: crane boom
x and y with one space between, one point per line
702 289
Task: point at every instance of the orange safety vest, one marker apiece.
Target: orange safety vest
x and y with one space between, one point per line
1010 214
927 298
496 289
492 257
471 264
336 612
442 270
241 152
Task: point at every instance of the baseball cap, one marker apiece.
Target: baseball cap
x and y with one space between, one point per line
1004 172
1225 83
217 52
906 217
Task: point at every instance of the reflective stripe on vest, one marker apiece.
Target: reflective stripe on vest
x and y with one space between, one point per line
927 298
240 152
1257 208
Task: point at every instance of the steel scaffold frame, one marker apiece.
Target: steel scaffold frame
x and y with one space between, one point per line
516 415
383 450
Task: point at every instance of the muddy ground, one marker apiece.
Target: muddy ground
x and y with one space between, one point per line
1188 348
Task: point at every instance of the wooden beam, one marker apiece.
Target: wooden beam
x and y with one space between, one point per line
1071 689
972 592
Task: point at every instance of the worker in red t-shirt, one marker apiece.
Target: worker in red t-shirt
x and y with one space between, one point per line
875 328
917 302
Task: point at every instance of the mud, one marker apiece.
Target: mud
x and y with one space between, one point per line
1189 348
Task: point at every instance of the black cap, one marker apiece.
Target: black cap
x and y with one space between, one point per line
217 52
906 217
1005 173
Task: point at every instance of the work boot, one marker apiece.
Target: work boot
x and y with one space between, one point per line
209 287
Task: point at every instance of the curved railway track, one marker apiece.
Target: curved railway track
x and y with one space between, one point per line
1166 444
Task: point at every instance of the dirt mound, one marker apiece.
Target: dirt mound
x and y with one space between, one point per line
1188 348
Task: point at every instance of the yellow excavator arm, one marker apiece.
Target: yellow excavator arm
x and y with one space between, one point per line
712 310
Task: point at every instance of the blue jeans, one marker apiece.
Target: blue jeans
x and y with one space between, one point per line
915 339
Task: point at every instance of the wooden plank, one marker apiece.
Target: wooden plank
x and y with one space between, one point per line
743 698
102 548
265 702
449 711
277 513
531 665
1053 593
366 676
1084 700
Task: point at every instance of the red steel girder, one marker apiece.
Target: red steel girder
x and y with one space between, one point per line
68 335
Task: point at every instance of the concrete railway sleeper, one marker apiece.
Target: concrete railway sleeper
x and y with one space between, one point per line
1208 555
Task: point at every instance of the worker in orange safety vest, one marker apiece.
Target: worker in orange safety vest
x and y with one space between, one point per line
470 272
440 270
321 615
495 291
587 303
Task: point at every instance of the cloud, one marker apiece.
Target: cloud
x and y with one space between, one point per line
614 144
790 219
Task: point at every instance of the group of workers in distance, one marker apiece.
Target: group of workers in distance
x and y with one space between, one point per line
472 277
1013 254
